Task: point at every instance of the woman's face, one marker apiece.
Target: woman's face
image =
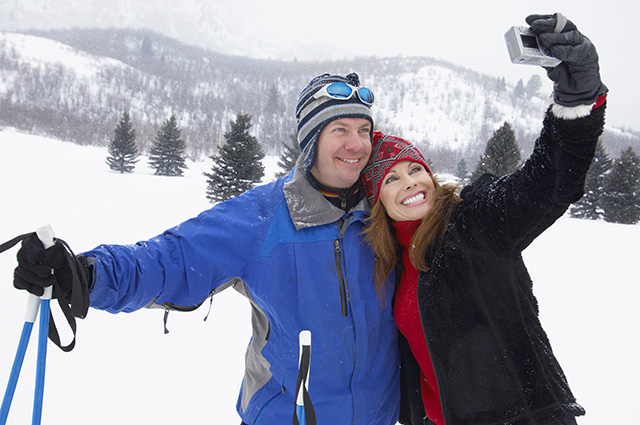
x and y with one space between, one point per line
407 191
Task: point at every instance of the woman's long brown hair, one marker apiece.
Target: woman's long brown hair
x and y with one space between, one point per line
380 234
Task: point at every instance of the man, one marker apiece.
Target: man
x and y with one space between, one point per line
294 248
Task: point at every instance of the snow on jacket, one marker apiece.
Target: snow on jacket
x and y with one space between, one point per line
493 361
302 264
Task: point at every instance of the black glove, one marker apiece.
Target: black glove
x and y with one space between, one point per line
39 268
576 81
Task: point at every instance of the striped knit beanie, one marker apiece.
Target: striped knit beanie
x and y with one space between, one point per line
386 152
314 114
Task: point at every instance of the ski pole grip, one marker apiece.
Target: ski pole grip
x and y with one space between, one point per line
46 235
305 342
305 338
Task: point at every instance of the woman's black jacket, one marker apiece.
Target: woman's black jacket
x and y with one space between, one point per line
493 361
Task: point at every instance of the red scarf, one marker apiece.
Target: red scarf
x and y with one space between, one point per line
408 321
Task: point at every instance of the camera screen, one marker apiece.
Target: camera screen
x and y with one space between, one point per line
529 41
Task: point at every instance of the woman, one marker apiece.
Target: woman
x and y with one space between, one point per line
475 352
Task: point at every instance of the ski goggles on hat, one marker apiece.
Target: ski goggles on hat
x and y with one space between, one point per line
343 91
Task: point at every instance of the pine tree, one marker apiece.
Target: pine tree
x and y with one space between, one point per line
272 106
502 154
621 199
167 151
533 85
501 85
518 91
239 167
589 206
289 157
462 172
123 152
461 169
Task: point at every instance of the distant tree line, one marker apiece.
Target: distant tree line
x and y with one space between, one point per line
612 187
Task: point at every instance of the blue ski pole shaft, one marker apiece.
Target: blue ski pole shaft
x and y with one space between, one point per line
46 237
300 412
15 371
33 304
43 335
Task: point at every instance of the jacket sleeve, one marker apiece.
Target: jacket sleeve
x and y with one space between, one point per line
183 265
513 210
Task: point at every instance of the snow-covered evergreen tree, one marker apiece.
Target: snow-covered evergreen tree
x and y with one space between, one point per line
289 156
239 167
533 85
167 152
589 206
272 106
462 172
519 92
123 152
502 154
461 169
621 199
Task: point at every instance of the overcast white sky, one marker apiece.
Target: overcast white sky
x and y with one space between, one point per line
470 33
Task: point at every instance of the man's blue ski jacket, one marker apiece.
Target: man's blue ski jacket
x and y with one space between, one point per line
303 265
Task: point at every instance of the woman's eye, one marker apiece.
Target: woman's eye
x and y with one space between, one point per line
390 179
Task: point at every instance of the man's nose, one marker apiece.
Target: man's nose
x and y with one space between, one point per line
353 141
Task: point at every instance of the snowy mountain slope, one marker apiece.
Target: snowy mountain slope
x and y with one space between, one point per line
75 89
441 107
289 30
126 371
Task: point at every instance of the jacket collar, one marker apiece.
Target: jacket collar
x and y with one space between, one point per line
308 207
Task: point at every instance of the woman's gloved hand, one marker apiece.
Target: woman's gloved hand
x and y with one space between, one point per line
576 81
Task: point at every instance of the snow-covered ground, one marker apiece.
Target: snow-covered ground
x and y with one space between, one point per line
125 370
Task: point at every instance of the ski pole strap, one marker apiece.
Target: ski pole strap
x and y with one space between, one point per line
308 412
78 305
11 243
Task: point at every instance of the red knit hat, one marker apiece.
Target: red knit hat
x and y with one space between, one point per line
386 151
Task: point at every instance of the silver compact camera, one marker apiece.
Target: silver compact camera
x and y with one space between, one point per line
524 48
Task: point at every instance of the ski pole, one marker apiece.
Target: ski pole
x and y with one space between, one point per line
304 413
17 362
45 234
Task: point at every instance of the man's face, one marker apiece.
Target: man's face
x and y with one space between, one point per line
343 150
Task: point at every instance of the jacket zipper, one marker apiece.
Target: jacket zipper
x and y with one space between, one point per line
342 286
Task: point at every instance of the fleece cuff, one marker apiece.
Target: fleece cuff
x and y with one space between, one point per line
579 111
